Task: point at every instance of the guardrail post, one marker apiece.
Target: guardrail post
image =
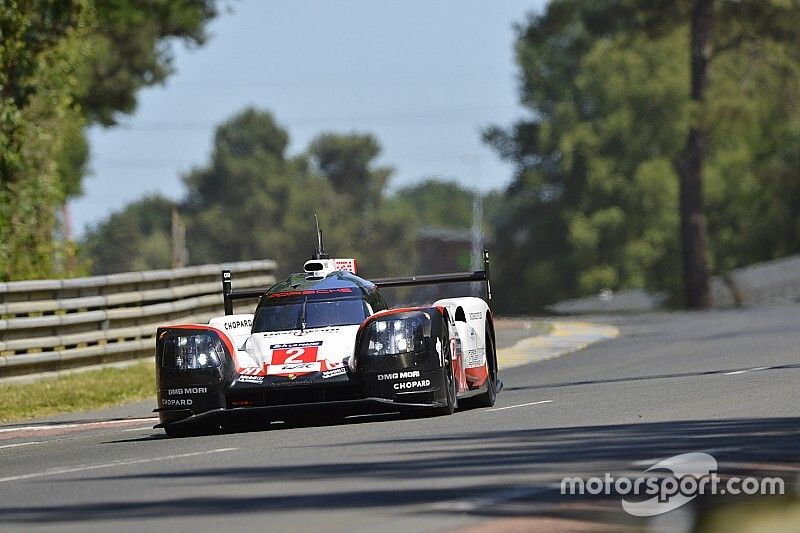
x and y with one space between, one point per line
226 292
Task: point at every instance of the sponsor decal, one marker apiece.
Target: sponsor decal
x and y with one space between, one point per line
311 292
299 368
417 384
335 372
399 375
348 265
475 316
187 390
244 323
283 356
173 402
250 379
474 358
290 383
295 345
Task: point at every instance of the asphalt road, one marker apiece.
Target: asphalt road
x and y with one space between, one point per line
720 382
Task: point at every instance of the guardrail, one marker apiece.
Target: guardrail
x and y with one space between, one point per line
51 325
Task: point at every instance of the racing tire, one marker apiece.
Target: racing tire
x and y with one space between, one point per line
489 396
449 379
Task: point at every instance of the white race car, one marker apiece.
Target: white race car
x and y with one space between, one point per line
324 343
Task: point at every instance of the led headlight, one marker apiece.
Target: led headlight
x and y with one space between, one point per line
398 335
192 352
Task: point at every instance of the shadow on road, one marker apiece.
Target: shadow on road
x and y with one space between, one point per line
652 377
485 464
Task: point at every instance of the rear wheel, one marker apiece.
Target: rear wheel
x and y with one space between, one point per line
488 397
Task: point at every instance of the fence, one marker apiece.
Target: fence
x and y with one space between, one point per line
50 325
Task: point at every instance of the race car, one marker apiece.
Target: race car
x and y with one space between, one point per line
322 345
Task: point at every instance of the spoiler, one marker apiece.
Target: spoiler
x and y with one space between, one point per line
229 295
432 279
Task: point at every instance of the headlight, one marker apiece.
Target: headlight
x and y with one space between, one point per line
192 352
397 335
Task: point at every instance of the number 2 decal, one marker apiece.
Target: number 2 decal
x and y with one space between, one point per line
294 355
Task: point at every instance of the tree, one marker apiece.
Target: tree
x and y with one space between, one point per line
347 161
253 201
715 27
65 64
137 237
41 136
438 203
595 200
131 46
239 205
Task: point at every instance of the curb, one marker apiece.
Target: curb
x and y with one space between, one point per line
563 338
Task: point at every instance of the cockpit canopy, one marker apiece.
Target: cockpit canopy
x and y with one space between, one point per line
310 314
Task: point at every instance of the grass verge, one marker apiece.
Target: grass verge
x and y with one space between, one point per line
84 391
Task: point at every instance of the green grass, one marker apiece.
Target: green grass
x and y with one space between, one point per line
77 392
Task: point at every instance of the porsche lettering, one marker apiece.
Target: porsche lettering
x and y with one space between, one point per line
312 292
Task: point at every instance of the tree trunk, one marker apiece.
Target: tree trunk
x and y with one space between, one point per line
690 166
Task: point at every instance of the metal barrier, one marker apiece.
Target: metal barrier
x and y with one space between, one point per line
51 325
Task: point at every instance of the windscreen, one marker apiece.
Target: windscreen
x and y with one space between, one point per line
318 314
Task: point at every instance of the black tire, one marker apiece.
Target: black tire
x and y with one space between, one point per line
489 396
448 377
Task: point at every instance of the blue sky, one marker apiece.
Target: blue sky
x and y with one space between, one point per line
423 76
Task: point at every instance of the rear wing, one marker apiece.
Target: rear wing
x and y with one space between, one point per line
229 295
432 279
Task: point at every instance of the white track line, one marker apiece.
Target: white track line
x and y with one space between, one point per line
69 426
20 444
125 462
520 405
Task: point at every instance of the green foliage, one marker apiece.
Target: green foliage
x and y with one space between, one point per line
253 201
438 203
135 238
63 65
41 140
594 203
78 392
131 49
347 163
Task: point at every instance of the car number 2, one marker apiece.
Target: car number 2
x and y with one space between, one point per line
294 355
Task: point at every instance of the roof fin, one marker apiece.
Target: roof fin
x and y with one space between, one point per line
319 252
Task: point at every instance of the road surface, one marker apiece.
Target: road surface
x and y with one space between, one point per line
724 383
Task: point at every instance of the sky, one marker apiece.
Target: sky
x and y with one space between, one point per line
425 77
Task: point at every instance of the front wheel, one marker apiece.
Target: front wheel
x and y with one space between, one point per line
449 380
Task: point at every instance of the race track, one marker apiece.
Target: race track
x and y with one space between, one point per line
725 383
